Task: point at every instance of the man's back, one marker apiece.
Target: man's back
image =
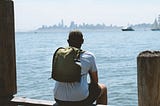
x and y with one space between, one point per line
78 90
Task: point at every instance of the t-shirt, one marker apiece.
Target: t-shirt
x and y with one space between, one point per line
77 91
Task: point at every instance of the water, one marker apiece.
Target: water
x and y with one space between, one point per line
115 52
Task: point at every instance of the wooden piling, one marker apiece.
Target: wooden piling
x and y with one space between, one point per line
7 53
148 67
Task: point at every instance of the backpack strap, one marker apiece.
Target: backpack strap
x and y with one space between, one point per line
77 59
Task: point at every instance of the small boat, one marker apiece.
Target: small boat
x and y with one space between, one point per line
156 25
127 28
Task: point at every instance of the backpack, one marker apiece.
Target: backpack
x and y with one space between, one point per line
66 66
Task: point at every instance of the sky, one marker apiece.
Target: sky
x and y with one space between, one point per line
32 14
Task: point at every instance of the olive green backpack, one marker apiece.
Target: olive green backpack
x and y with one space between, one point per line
66 66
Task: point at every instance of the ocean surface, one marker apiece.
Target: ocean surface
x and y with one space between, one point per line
116 57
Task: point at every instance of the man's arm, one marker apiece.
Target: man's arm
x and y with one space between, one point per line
93 76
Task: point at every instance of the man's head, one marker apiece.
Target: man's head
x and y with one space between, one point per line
75 38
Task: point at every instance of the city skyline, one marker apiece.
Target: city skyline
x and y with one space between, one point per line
61 26
73 24
30 15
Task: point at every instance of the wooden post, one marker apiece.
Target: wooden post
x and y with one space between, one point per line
148 67
7 53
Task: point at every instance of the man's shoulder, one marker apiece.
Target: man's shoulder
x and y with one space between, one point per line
88 54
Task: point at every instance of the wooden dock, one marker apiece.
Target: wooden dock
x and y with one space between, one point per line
148 68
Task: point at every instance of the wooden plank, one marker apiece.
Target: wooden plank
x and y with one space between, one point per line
31 102
34 102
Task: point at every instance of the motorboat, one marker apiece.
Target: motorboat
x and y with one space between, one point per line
127 28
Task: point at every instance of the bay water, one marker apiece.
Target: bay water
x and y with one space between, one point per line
116 57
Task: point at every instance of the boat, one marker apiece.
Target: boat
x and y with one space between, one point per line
127 28
156 24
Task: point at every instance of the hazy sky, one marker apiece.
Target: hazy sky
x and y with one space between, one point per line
31 14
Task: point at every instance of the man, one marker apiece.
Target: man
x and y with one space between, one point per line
81 93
